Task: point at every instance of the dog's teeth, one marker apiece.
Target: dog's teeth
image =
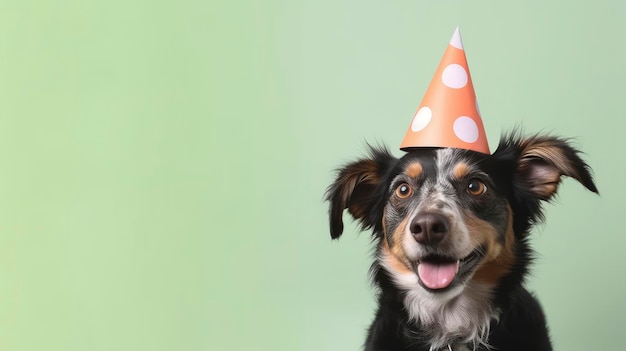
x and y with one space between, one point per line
458 264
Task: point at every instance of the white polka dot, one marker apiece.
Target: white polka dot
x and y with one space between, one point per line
466 129
454 76
456 39
421 119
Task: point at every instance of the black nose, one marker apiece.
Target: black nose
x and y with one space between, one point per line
429 228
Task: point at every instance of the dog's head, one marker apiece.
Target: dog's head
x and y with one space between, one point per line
446 217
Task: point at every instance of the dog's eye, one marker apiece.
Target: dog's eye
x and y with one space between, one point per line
404 191
476 187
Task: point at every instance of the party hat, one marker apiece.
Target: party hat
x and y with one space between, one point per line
448 115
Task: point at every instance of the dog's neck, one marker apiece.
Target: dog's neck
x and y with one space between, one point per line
450 319
463 319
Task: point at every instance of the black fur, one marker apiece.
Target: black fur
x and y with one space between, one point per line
522 172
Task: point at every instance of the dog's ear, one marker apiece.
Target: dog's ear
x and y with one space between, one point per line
543 160
536 165
355 188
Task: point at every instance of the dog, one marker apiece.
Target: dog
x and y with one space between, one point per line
451 230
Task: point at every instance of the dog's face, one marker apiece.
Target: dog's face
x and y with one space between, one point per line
447 218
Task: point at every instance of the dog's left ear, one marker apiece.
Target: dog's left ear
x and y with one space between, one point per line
543 160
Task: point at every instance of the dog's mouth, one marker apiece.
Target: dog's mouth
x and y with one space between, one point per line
437 272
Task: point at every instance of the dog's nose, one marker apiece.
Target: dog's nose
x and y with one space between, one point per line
429 228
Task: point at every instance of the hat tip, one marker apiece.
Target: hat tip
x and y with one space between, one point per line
456 39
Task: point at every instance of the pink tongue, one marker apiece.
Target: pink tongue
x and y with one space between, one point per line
437 275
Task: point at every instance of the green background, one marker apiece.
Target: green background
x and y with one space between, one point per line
164 163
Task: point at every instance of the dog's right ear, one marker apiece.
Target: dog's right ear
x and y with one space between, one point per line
355 188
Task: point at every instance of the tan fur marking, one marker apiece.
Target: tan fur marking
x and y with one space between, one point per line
395 256
499 258
392 261
460 170
397 248
414 170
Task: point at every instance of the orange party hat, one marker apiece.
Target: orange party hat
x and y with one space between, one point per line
448 115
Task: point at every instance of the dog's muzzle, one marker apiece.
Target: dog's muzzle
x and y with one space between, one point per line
435 271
